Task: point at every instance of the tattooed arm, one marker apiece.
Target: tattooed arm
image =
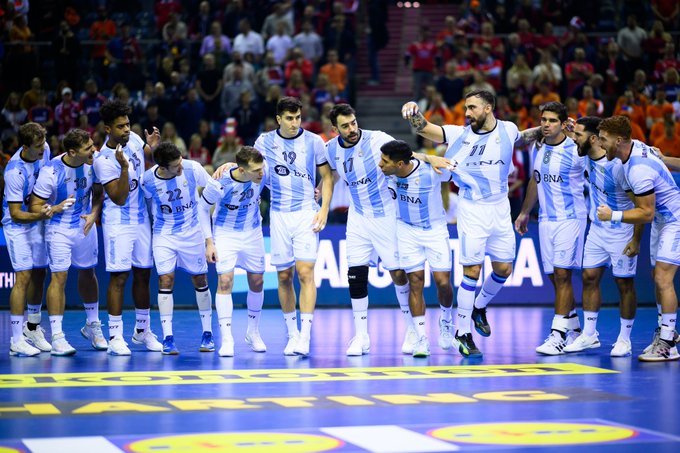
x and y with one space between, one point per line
424 128
529 135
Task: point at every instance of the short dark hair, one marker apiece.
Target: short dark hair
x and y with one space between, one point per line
30 133
590 123
397 151
288 104
340 109
246 155
75 139
111 110
484 95
555 107
165 153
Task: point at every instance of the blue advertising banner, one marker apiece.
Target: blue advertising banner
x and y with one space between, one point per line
527 284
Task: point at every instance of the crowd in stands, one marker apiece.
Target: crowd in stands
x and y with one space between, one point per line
208 74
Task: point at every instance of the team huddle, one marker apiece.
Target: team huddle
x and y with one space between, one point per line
174 215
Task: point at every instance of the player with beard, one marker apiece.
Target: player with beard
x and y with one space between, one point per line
657 200
482 153
607 244
557 185
126 225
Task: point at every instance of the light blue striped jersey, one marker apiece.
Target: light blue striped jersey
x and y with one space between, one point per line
484 159
238 203
559 174
645 174
174 201
358 166
20 176
107 169
292 163
57 181
419 197
606 188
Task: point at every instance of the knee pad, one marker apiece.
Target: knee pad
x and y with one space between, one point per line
358 281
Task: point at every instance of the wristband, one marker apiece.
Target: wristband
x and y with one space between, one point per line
617 216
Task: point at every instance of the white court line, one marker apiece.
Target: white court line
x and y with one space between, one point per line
92 444
389 439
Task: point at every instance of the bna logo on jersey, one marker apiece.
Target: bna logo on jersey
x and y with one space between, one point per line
282 170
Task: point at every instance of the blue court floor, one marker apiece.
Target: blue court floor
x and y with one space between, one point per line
511 400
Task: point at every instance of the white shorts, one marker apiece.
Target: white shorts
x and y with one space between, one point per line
244 249
417 246
180 250
292 238
604 247
485 228
26 247
371 237
561 244
664 243
68 248
127 246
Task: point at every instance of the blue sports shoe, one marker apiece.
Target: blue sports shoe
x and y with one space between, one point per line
207 343
169 347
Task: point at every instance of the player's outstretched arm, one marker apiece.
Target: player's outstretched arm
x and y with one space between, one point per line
424 128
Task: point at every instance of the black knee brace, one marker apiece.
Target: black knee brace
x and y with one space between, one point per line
358 281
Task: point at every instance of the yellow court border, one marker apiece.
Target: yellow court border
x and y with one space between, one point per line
136 378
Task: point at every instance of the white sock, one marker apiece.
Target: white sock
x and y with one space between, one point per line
34 313
445 313
165 306
626 328
254 301
142 319
402 297
17 324
466 301
490 288
55 324
573 322
589 322
204 302
560 324
115 326
92 311
291 322
306 324
419 324
224 305
667 326
360 312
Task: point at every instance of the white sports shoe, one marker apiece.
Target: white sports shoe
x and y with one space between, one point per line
410 340
118 346
583 342
255 341
445 334
148 339
622 348
553 345
22 348
60 346
661 351
37 338
290 346
422 347
359 345
227 348
302 346
93 332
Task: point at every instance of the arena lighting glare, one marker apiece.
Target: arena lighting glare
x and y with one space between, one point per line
407 4
400 4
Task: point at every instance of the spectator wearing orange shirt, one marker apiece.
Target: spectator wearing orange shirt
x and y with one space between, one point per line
438 107
668 143
630 105
589 98
668 123
545 94
655 108
336 71
102 29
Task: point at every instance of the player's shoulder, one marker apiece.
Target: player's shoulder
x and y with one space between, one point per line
509 126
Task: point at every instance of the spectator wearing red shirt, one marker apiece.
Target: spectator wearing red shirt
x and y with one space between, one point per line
547 40
487 37
424 59
490 66
577 71
668 60
163 9
299 62
66 113
667 11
